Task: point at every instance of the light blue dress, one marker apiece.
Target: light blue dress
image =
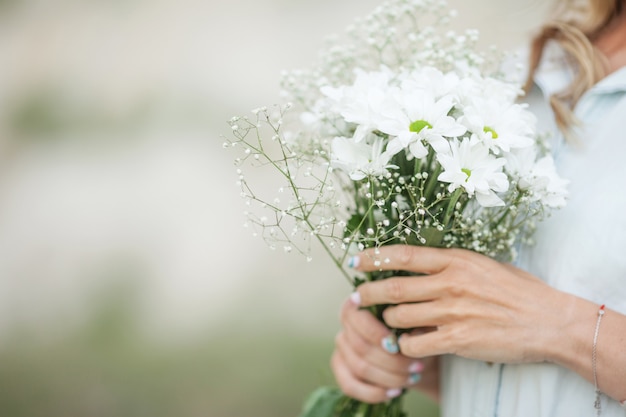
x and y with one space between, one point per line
580 250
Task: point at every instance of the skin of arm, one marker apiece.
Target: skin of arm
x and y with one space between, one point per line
485 310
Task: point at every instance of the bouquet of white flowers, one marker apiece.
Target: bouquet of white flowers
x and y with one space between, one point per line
405 134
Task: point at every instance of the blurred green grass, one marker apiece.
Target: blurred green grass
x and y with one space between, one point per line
105 368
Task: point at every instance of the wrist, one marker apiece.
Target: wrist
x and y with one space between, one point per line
570 342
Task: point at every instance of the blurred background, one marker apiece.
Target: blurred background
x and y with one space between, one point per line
128 286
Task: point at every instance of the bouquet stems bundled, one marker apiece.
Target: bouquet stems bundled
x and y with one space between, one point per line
403 134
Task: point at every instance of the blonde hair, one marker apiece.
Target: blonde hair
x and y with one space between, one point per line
574 26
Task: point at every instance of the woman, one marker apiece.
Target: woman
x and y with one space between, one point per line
500 340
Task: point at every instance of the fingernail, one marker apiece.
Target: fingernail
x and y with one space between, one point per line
623 403
394 392
416 367
355 297
354 262
414 378
390 344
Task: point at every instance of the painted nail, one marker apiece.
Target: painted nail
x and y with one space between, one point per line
394 392
355 297
390 344
354 262
416 367
414 378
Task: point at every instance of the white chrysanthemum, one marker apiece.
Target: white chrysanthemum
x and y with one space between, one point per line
501 91
363 101
498 126
479 88
538 176
554 191
470 165
321 121
360 159
473 89
418 116
431 79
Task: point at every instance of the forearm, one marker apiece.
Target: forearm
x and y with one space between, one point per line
574 346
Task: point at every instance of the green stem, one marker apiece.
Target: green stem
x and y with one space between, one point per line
454 198
417 166
506 212
371 221
431 183
363 410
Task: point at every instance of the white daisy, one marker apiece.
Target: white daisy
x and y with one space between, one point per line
431 79
417 117
360 159
470 165
363 101
475 88
499 126
538 176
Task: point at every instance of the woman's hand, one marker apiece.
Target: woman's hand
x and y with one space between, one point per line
485 310
366 362
481 309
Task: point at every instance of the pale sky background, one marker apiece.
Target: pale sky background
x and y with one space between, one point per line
142 195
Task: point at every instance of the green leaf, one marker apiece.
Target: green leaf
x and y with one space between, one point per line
322 402
353 224
433 236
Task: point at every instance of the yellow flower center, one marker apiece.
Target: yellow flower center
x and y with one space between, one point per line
488 129
418 125
467 172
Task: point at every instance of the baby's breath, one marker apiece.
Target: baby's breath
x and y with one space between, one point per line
380 194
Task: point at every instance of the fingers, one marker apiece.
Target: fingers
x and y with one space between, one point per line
438 342
372 340
402 290
449 272
418 259
366 335
362 367
356 388
376 353
405 258
434 314
410 316
363 323
387 371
